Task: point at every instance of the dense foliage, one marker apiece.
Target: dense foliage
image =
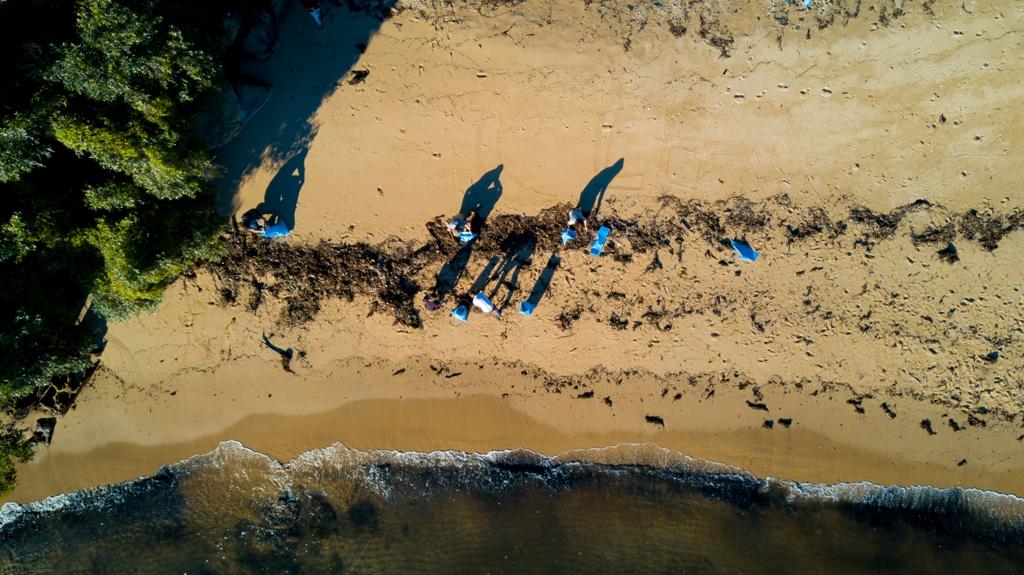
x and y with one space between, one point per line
14 446
105 189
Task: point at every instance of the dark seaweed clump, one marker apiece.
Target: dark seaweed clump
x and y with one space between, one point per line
305 275
883 225
989 229
393 272
714 33
389 273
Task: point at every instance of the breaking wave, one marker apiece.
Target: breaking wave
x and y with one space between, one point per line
397 477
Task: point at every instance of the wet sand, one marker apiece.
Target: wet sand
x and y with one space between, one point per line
118 433
856 114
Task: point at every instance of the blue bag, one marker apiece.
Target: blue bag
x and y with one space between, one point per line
747 253
276 230
568 236
461 313
602 237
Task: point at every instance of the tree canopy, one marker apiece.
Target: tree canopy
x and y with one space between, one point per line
106 190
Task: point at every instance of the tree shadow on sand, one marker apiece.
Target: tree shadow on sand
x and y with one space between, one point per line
309 64
593 192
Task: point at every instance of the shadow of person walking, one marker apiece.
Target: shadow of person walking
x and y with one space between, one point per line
593 192
485 276
448 278
282 195
518 252
541 287
481 197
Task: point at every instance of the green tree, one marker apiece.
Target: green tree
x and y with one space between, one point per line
130 55
13 447
20 151
154 162
107 192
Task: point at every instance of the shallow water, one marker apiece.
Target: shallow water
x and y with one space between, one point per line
629 509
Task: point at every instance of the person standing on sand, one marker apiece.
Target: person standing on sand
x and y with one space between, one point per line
481 302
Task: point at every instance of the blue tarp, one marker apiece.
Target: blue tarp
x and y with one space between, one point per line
747 253
602 237
568 236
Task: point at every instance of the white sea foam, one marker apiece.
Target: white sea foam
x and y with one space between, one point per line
389 472
104 497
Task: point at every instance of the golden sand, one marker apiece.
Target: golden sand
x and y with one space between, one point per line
849 116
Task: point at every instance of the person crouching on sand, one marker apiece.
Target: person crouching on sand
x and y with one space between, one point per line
576 217
268 225
481 302
457 225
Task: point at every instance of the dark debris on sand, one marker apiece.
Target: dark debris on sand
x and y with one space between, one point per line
985 228
305 275
655 419
926 424
877 225
391 273
716 34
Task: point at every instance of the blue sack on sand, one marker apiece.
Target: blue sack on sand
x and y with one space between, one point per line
466 237
747 253
568 236
602 237
461 313
526 308
276 230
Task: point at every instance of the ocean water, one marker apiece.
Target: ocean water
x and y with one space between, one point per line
627 509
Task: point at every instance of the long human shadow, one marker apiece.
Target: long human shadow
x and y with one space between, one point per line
451 272
484 277
541 287
518 252
309 64
282 195
481 197
593 192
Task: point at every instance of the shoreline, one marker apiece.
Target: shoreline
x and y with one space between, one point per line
828 442
822 331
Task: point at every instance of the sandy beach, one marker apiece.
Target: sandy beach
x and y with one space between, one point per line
849 147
